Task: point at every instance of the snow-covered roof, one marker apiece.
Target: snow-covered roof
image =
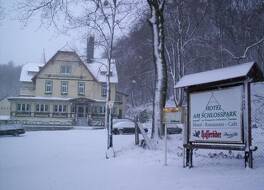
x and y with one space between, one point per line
98 68
215 75
29 70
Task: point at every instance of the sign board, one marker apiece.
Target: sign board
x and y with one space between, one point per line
216 116
171 115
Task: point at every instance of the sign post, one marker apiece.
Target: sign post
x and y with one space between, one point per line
170 116
166 146
219 110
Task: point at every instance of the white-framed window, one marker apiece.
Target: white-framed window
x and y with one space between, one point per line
60 108
103 89
48 86
64 87
81 88
23 107
65 69
42 108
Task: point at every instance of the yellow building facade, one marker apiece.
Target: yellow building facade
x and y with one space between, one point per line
66 91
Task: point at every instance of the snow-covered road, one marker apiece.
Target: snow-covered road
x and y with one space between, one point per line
75 160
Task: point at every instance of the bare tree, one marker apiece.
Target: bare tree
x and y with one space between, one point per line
180 36
246 51
102 17
157 23
135 62
241 25
206 29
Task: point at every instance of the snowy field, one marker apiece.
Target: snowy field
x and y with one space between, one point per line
75 159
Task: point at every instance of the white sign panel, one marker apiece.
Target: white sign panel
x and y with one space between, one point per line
216 116
172 117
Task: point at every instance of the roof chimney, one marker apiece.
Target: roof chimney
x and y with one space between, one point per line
90 49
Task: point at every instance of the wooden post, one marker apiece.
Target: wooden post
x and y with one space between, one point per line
188 152
250 159
247 125
184 157
136 131
191 158
187 157
185 150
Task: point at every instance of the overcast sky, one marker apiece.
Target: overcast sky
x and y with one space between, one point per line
26 44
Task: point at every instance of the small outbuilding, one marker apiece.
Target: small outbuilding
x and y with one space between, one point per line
219 110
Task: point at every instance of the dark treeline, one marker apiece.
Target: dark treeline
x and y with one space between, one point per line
9 80
200 35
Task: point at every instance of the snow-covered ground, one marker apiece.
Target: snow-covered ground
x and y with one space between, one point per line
75 159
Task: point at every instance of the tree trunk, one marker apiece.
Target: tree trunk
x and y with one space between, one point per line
157 24
108 114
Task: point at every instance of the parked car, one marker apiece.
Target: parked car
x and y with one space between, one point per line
124 126
14 130
174 128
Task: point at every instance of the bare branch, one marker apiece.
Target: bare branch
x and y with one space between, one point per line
244 55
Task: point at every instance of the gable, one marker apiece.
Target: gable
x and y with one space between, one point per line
65 64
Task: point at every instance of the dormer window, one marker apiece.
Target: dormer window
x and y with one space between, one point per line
65 69
104 73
